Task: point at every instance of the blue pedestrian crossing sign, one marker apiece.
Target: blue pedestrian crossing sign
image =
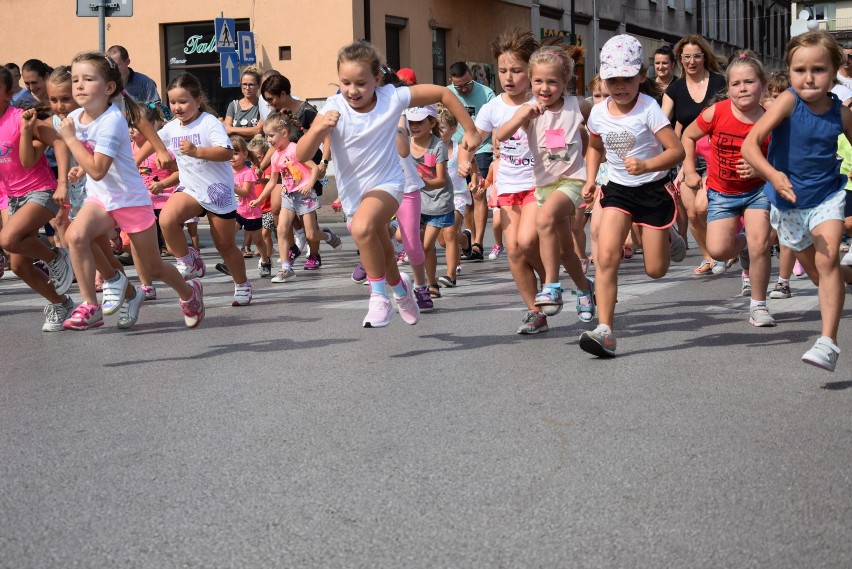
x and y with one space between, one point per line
226 39
245 43
229 68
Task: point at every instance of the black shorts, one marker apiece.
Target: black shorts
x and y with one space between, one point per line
650 204
229 215
249 224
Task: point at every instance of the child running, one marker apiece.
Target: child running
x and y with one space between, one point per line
462 198
803 185
203 151
363 122
555 127
298 197
640 147
249 217
98 137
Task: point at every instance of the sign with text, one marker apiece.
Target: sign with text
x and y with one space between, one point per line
564 37
245 42
114 8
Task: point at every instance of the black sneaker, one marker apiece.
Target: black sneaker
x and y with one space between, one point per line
223 268
475 252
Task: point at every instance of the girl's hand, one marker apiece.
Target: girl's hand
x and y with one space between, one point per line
166 162
28 120
782 185
305 190
635 166
76 174
692 181
337 206
254 203
156 188
187 148
471 141
329 120
745 170
67 128
589 189
61 219
258 172
60 195
464 168
323 167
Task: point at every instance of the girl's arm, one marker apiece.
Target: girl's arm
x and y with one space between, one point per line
164 159
95 165
466 156
45 134
668 106
594 156
244 190
29 150
402 143
691 135
319 131
521 119
270 185
160 185
422 95
211 153
305 188
780 110
440 179
244 131
672 154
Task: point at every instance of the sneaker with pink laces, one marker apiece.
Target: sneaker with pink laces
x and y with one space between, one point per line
380 312
407 305
312 263
84 317
195 270
193 309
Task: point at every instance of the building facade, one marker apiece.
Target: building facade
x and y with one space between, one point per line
833 17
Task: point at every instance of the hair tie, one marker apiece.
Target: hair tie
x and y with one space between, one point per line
743 56
124 92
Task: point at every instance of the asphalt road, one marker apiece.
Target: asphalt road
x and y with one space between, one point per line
285 435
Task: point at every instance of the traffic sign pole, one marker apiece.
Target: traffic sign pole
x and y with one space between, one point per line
102 25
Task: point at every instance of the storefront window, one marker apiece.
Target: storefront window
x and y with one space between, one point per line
190 48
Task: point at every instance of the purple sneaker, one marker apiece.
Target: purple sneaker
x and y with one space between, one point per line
312 263
409 311
293 254
359 275
424 300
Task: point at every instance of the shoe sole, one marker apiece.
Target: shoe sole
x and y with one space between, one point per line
533 331
78 328
757 324
817 363
378 324
779 296
591 346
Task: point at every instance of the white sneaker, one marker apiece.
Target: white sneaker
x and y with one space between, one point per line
55 315
301 239
60 271
129 313
823 354
677 249
113 293
847 259
242 294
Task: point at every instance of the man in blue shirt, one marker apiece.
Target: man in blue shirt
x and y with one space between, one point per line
138 85
21 97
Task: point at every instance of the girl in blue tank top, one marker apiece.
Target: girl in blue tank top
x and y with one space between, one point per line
803 182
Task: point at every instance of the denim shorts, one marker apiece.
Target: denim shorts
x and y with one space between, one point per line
723 206
794 226
442 220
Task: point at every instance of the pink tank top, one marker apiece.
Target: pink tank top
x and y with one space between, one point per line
20 181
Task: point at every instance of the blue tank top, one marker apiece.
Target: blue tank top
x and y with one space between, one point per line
804 146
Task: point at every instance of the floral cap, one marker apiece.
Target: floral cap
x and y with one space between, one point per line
621 56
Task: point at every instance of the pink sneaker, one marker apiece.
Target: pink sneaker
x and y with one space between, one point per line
84 317
193 309
380 313
407 305
312 263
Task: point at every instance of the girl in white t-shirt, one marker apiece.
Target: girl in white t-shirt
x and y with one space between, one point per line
555 125
203 152
640 148
515 183
362 121
98 137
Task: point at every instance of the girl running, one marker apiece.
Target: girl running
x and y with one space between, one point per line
362 122
555 127
248 215
733 189
640 148
462 199
515 184
203 152
98 137
803 183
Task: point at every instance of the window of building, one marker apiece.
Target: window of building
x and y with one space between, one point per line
817 11
439 56
393 40
688 6
191 48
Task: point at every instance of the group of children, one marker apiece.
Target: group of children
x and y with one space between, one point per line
559 157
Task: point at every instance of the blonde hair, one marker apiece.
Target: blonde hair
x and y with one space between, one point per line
817 38
360 52
109 72
445 117
283 120
239 144
560 56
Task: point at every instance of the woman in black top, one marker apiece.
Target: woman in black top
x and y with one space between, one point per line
685 98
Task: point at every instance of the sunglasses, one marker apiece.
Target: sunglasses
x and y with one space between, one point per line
464 85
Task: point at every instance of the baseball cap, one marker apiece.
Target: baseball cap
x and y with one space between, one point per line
420 113
407 75
621 56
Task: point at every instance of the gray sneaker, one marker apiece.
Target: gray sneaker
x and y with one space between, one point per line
534 323
55 315
128 314
759 316
113 293
746 289
60 271
677 249
823 354
332 238
599 342
283 276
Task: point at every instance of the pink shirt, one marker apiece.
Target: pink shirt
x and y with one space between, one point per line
294 174
20 181
152 173
244 210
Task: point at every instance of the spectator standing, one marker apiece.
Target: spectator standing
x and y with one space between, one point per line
138 85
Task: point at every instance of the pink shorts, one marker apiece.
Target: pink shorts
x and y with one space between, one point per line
519 198
133 219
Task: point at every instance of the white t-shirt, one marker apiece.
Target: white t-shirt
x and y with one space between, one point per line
843 93
413 181
364 145
122 186
515 173
845 81
210 183
630 135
